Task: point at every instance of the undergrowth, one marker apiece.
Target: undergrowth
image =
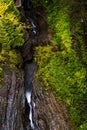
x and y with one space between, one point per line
64 70
11 31
11 34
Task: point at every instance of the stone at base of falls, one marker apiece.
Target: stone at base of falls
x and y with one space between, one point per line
12 100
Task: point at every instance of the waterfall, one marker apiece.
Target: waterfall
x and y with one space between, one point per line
28 97
29 67
27 8
34 28
29 71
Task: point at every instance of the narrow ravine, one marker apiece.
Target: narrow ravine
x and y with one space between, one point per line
29 66
42 110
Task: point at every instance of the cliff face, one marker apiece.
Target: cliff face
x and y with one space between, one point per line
48 113
12 100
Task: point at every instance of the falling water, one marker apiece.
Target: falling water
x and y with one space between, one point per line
29 71
34 28
27 5
29 68
28 97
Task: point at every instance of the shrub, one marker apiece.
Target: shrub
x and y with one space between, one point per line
64 70
11 31
1 74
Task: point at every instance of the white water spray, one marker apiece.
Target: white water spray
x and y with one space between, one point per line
34 28
28 97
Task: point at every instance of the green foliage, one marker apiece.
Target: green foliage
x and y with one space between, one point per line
11 31
1 74
83 127
14 58
3 55
11 58
11 35
67 78
64 70
81 43
59 22
43 55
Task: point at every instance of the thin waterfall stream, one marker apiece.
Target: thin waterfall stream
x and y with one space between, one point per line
29 72
29 67
28 97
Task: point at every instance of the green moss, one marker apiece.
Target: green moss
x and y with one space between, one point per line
11 33
81 46
11 30
83 126
1 74
14 58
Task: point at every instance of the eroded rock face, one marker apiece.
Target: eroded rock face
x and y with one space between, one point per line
12 100
48 114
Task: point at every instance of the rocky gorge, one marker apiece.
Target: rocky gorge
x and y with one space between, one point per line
46 112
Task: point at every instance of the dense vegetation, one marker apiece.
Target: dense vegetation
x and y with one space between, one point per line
62 65
11 34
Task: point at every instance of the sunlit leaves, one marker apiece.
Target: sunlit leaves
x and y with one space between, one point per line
64 69
3 8
11 31
83 126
